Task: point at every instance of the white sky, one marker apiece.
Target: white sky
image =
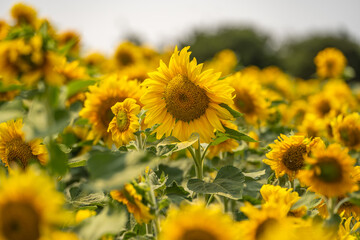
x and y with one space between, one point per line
103 24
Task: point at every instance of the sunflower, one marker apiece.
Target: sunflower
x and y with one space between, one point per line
329 172
224 61
100 99
312 126
14 150
127 54
227 146
270 220
125 123
83 214
183 99
70 37
275 79
133 202
346 130
249 97
24 14
30 206
255 136
330 63
4 29
57 235
71 71
323 105
287 154
276 195
193 222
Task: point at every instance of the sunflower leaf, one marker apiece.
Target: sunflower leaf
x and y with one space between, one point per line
231 133
229 182
79 85
233 112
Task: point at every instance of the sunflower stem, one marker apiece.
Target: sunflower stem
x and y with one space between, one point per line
154 203
338 205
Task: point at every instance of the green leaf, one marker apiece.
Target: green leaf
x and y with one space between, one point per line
176 193
231 133
110 220
229 183
219 139
156 182
58 159
234 113
171 144
78 161
11 110
111 170
309 199
77 86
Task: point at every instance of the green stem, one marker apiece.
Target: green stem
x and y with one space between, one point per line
226 207
153 201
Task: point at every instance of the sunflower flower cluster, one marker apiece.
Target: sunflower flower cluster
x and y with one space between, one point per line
143 143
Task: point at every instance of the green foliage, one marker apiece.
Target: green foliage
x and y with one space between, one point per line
229 183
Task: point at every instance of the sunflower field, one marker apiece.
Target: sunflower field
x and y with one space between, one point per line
150 144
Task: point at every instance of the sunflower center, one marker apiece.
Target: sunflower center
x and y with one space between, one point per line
329 170
245 103
351 137
330 64
184 100
324 108
125 58
19 221
293 158
263 229
198 234
105 113
19 152
122 121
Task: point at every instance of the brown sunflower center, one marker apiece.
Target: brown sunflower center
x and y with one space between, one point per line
19 221
293 158
122 121
328 170
105 113
330 64
125 58
184 100
198 234
324 107
351 137
263 229
245 103
19 152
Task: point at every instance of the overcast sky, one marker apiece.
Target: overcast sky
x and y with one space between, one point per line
103 24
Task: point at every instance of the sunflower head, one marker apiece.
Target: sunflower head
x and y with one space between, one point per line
70 37
183 99
276 195
24 14
346 130
312 126
29 205
329 171
133 202
127 54
193 222
125 122
224 61
330 63
100 99
249 98
288 153
14 150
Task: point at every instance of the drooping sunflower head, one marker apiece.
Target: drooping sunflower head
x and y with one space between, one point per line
249 96
330 63
288 153
100 99
24 14
276 195
125 122
329 172
133 202
346 130
29 205
194 222
15 151
183 99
